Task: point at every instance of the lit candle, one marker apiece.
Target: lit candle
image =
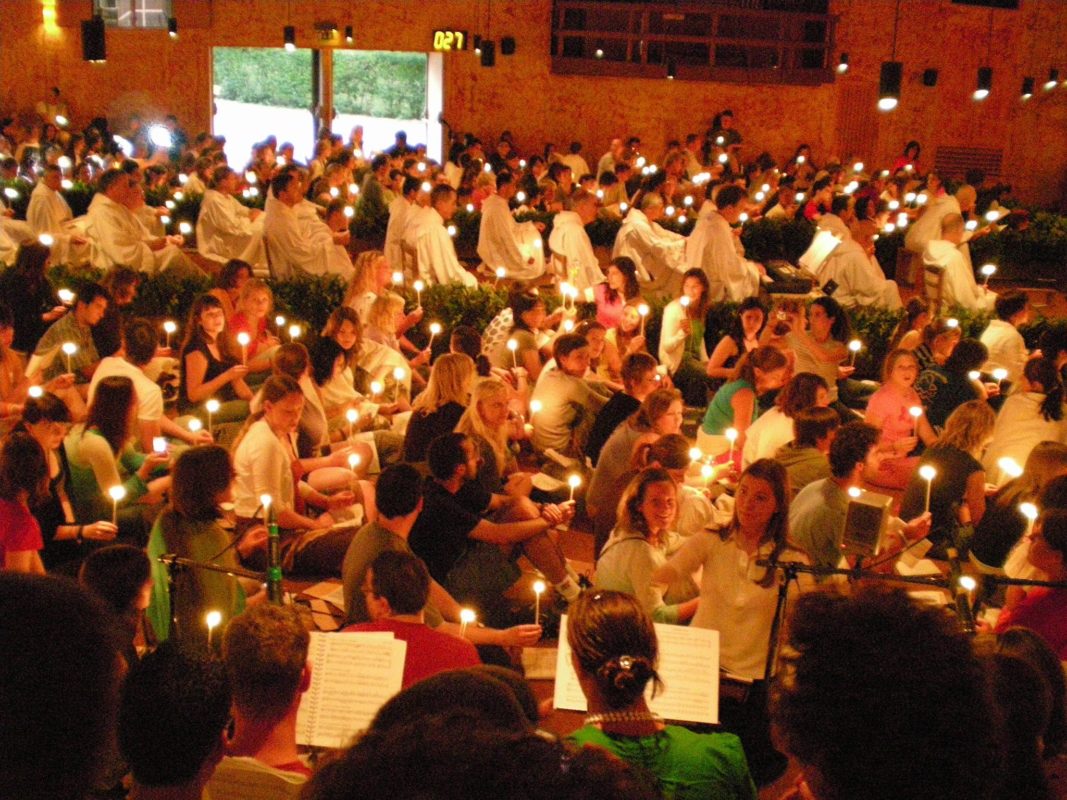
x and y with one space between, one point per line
280 322
159 445
539 588
706 471
916 412
435 328
695 454
66 296
1029 510
294 332
213 619
46 239
419 286
952 322
265 500
35 392
927 473
169 328
854 492
854 347
184 228
513 346
353 461
1009 466
574 481
731 437
642 309
535 408
116 493
244 340
398 278
987 272
684 301
212 407
451 231
974 374
1000 374
195 425
466 617
69 349
565 292
375 388
399 374
500 274
353 417
568 325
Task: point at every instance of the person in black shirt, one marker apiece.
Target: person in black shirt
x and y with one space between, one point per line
639 380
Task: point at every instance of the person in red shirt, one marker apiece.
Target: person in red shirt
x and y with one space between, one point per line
396 589
23 482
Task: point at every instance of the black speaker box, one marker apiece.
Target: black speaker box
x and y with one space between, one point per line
488 53
94 47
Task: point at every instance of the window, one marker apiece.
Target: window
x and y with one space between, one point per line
133 13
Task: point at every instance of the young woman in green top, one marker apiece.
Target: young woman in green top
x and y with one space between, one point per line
614 651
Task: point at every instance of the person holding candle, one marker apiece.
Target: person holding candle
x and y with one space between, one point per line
194 527
122 284
625 338
639 545
819 347
528 313
1003 524
15 384
383 326
774 428
101 455
681 339
372 278
614 652
890 410
266 462
75 327
23 484
490 423
640 378
738 598
225 228
939 339
255 304
1043 610
1006 346
742 337
228 284
569 403
957 492
438 409
943 388
735 405
1031 415
211 365
619 287
949 252
37 307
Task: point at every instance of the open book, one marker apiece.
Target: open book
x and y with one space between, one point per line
352 676
688 667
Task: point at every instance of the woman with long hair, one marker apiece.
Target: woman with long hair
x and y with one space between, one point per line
266 462
23 483
488 422
957 491
943 388
774 428
254 305
890 410
66 541
639 545
738 598
195 527
1031 415
211 365
908 334
15 384
624 339
615 652
101 455
385 325
234 274
681 338
820 346
528 317
37 306
438 409
619 287
743 337
736 404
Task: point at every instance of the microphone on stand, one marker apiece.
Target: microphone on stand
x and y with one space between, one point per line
274 557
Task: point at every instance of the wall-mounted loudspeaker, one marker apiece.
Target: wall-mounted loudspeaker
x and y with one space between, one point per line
507 46
488 53
94 47
930 77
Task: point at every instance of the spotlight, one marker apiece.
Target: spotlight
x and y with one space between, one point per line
1028 88
172 27
842 64
289 33
889 84
985 83
1053 79
348 34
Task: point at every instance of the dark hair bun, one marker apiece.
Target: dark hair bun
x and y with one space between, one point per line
623 679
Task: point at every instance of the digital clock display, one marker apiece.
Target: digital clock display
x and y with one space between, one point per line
447 41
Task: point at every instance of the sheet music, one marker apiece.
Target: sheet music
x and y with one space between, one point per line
352 676
688 667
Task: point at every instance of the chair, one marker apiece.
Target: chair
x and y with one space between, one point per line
934 287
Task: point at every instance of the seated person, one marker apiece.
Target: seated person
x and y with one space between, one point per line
569 403
805 458
951 254
639 380
736 404
74 327
945 388
172 721
470 554
396 588
1007 349
439 407
211 365
265 652
817 515
774 428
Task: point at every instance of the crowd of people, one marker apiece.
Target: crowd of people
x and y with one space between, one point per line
426 486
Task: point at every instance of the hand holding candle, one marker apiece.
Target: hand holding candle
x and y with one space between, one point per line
213 619
574 480
244 340
539 588
854 347
69 349
466 617
116 493
513 346
927 473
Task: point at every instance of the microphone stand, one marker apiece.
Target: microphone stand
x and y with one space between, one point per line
175 564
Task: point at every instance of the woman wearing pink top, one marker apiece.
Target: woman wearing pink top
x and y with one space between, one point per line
889 410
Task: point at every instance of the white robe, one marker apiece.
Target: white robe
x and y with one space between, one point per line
416 218
503 242
436 253
297 246
859 279
225 230
959 287
731 276
658 253
399 210
928 226
120 239
49 213
570 241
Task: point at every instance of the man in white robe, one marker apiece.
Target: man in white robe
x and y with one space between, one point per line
570 242
434 249
658 253
48 213
294 242
697 239
399 211
227 229
731 276
858 277
503 242
119 238
958 288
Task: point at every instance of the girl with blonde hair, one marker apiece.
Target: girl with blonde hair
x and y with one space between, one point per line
486 423
437 410
384 323
255 303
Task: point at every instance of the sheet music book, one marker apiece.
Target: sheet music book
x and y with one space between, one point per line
352 676
688 667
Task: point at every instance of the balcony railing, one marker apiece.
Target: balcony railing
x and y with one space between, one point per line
730 43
